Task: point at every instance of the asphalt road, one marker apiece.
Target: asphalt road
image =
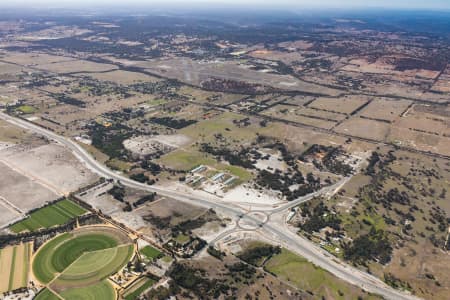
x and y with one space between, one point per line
275 228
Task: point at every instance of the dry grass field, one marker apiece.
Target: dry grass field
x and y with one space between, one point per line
201 96
364 128
12 134
32 59
346 105
265 285
305 115
277 55
75 66
14 266
175 211
121 77
415 259
384 109
420 119
420 140
8 70
443 82
386 65
193 72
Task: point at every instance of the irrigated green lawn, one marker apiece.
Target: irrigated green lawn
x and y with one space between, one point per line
46 294
55 214
81 262
71 250
182 239
92 267
151 253
26 109
90 261
143 284
186 160
59 253
43 268
102 290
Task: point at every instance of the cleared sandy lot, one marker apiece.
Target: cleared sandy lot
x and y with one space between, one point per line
51 165
248 196
7 214
149 144
99 198
22 192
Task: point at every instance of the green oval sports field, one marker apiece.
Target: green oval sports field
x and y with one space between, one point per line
76 265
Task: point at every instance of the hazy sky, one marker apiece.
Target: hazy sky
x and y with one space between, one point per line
407 4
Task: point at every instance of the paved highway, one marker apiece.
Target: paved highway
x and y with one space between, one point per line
275 228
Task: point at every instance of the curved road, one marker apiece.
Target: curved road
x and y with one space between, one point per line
275 228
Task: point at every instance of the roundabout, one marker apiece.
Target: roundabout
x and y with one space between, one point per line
253 221
77 264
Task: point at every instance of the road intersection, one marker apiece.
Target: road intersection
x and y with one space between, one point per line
273 226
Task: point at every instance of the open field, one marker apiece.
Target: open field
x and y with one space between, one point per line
317 118
202 96
193 72
292 268
346 105
175 211
11 134
51 165
417 261
14 266
225 125
100 199
420 140
295 113
59 253
75 66
277 55
8 71
121 77
8 214
432 120
132 292
46 294
186 160
150 252
146 145
33 58
93 266
386 65
365 128
43 266
54 214
101 290
21 191
270 110
383 109
235 277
